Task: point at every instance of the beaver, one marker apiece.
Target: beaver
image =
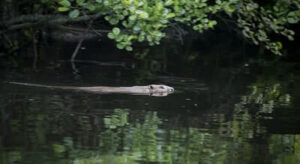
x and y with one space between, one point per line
151 90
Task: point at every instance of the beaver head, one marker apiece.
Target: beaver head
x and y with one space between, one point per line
160 90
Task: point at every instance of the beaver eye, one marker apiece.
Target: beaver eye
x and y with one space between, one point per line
151 87
161 87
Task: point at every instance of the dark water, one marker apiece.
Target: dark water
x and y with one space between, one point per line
227 108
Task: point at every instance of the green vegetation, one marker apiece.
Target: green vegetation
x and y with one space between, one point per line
240 110
147 20
259 23
132 21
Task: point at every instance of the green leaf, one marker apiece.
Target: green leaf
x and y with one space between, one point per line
129 48
292 14
211 24
116 31
91 7
279 45
170 15
74 14
65 3
168 2
63 9
141 38
149 38
142 14
132 17
292 20
79 2
120 46
113 21
136 28
119 38
111 35
291 38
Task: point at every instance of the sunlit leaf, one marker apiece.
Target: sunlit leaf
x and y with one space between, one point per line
142 14
279 44
116 30
63 9
170 15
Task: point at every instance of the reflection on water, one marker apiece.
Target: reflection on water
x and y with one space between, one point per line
39 125
126 136
224 114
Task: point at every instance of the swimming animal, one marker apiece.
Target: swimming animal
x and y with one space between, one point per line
151 90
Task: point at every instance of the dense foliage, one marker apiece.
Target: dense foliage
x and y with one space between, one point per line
147 20
258 23
133 21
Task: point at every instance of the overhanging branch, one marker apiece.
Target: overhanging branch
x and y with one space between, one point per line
33 20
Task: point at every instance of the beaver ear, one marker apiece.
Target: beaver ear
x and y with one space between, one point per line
151 87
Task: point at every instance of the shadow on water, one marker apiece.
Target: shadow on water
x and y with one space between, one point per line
227 107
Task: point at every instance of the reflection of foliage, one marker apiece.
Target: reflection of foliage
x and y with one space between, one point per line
200 146
118 119
245 124
284 145
57 133
267 93
146 141
267 96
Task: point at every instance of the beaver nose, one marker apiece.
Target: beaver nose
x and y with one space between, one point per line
171 90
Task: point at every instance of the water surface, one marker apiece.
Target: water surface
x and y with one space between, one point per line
223 111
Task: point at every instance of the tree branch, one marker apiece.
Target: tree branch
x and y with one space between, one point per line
32 20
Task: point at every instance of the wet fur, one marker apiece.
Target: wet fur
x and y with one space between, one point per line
153 89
